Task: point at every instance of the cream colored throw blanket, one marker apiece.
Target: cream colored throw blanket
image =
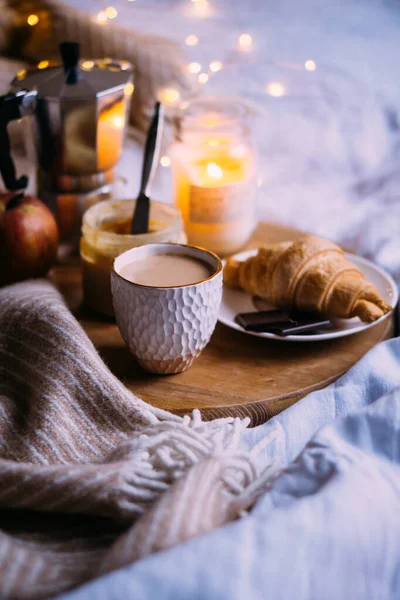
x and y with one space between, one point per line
91 477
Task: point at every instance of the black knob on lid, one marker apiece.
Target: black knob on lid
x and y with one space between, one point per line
70 57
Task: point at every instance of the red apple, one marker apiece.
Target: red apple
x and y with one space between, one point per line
28 238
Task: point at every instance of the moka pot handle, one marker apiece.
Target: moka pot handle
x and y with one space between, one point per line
13 106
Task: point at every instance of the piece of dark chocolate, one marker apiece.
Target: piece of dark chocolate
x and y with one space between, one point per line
281 322
264 320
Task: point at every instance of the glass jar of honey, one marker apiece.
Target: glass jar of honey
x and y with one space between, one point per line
106 234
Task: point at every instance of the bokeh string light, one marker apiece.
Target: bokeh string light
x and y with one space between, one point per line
32 20
194 67
215 66
310 65
275 89
102 16
170 96
111 12
165 161
201 4
191 40
244 44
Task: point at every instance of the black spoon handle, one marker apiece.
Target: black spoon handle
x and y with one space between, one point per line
152 149
151 155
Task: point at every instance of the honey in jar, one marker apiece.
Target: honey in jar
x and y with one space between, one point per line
106 234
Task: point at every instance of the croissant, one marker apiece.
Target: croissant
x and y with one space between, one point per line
310 274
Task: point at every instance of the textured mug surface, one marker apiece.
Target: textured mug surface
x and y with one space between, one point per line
166 328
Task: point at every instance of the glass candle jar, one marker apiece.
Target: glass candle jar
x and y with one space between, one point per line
214 174
105 235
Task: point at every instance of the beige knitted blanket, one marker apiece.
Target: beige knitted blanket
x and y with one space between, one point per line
92 477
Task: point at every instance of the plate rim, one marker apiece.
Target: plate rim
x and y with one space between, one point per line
319 336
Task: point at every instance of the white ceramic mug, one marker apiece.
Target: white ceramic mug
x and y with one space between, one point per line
166 328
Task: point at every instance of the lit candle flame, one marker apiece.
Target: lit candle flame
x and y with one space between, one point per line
118 122
214 170
43 64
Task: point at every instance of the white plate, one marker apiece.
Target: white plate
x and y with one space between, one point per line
237 301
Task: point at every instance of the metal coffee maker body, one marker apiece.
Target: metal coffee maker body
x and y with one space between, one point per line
79 114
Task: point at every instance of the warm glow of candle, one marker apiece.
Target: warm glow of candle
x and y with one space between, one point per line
218 168
191 40
215 66
275 89
43 64
194 67
215 194
111 12
32 20
214 170
245 41
238 150
310 65
87 65
169 95
165 161
203 78
118 122
210 120
110 131
102 16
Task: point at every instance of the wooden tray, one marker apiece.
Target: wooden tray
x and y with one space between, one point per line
237 374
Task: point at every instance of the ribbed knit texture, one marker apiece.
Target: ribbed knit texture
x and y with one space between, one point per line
91 476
